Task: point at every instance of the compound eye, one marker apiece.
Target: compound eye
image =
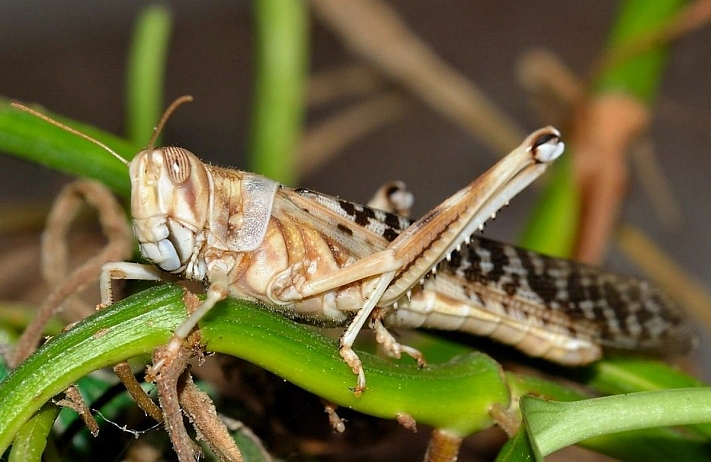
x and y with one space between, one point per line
177 164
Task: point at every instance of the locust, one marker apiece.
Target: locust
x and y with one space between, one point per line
327 261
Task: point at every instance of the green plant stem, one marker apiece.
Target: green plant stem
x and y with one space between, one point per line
640 75
31 439
146 72
282 42
27 137
454 396
554 425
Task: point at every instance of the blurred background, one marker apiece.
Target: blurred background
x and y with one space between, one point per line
72 60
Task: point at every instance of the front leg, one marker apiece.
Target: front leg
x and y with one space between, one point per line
376 271
128 271
216 292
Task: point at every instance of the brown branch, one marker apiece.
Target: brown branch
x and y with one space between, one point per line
75 401
605 128
202 414
346 81
655 183
322 142
124 373
395 50
119 246
443 447
552 88
168 382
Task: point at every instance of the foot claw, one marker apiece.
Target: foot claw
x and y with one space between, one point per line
392 347
352 359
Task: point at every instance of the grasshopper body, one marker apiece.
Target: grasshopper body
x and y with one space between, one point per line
295 249
328 261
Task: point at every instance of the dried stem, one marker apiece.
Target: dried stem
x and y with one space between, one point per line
202 414
655 183
322 142
443 447
168 383
119 246
605 128
75 401
508 420
389 44
124 373
346 81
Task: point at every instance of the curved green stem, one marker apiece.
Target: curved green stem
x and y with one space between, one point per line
280 76
553 425
454 396
146 72
30 443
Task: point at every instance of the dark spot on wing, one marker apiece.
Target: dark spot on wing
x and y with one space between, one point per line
392 220
363 216
348 207
344 229
390 234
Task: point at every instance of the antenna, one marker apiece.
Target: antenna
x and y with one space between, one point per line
166 115
68 129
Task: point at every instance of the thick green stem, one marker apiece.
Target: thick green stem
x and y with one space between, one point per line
146 72
282 42
455 396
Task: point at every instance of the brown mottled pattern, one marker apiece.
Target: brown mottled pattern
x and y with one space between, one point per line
628 313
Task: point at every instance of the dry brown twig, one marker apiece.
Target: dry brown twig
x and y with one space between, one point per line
239 427
567 90
168 383
124 373
74 400
604 129
599 164
323 141
655 183
202 414
393 49
120 243
443 447
337 423
343 82
551 87
176 389
604 179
